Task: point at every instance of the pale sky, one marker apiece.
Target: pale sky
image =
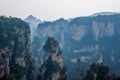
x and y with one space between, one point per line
54 9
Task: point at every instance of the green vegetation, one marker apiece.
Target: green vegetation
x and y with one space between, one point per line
8 77
17 70
30 67
79 70
14 35
50 44
62 78
7 29
99 71
51 66
63 71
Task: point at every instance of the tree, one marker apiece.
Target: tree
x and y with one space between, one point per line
52 46
51 66
98 71
79 72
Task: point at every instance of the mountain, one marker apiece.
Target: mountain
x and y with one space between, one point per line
60 47
105 13
33 22
47 29
16 61
89 38
53 67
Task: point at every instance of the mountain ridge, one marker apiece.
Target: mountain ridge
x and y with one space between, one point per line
87 38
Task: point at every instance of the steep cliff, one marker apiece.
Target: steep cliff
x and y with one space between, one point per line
54 29
89 38
33 22
53 67
92 39
16 60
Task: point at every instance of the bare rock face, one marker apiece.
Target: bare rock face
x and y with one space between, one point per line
100 30
33 22
16 61
54 67
54 29
77 32
89 38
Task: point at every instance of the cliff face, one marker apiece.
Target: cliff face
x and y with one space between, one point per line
33 22
53 67
54 29
87 38
92 39
16 61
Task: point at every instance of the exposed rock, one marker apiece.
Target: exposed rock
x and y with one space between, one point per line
100 30
33 22
88 38
56 28
77 32
54 67
15 50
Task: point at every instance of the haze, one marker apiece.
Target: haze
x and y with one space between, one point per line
54 9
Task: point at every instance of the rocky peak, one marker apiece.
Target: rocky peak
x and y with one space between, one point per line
54 67
33 22
32 19
15 51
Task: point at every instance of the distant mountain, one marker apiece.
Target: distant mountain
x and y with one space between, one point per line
89 38
105 13
33 22
70 19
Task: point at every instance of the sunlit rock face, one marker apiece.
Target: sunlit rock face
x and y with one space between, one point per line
15 50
